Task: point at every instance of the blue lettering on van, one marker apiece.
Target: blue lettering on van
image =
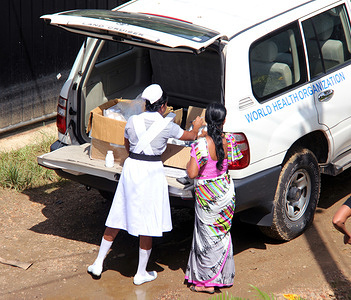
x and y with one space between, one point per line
259 113
294 97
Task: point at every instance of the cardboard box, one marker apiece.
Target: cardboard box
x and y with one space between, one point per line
174 155
108 134
106 129
99 148
193 112
112 131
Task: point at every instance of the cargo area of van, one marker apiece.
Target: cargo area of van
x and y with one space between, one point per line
190 80
187 78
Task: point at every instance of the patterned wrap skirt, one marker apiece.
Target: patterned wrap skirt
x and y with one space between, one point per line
211 261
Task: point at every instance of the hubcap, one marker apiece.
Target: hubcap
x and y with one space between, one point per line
298 195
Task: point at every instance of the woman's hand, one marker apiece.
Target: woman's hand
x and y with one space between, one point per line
203 133
192 134
198 122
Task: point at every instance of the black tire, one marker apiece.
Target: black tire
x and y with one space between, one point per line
296 197
107 195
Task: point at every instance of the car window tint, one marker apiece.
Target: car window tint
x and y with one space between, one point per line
111 49
328 40
277 62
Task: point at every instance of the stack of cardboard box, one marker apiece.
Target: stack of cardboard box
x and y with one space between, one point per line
108 134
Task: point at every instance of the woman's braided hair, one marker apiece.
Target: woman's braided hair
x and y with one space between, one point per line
214 117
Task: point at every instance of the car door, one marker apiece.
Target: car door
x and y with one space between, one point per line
328 44
135 28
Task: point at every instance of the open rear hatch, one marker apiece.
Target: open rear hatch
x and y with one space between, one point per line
135 28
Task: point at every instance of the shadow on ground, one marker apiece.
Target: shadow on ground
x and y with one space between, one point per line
74 213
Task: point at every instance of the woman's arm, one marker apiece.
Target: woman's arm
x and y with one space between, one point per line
126 144
192 168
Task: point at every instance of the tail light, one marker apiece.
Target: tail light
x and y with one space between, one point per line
243 145
61 115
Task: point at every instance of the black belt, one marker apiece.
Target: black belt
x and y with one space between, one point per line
145 157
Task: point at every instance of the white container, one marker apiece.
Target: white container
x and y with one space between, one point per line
109 160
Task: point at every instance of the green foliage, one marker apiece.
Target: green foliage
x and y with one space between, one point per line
19 169
262 295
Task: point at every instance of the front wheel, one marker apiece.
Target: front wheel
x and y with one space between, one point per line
296 197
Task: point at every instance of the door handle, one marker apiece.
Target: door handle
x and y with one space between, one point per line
325 95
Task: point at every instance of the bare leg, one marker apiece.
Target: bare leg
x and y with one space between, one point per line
110 234
106 243
145 242
142 275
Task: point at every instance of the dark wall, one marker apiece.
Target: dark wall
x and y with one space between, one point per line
32 54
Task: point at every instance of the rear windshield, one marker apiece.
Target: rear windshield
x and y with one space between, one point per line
153 22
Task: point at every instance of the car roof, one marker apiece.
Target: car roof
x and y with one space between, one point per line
228 17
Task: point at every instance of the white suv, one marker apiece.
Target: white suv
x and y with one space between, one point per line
280 67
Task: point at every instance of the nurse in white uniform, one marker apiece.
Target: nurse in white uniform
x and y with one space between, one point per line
141 203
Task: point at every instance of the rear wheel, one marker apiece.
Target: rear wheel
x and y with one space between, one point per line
296 197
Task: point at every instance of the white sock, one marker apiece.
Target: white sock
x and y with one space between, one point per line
142 275
143 259
104 248
96 267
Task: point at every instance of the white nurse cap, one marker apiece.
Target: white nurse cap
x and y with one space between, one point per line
152 93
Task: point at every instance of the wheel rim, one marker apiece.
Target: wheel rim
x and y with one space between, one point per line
298 194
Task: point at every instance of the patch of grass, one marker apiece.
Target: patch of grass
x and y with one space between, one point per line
19 169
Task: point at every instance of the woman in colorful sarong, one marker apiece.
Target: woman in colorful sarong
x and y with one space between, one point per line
211 261
141 202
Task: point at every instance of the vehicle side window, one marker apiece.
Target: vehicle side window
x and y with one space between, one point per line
328 40
111 49
277 62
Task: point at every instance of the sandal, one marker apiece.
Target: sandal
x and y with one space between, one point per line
193 289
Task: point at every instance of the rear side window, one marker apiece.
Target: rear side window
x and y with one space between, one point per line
111 49
328 40
277 62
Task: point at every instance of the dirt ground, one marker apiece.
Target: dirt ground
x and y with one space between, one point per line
58 228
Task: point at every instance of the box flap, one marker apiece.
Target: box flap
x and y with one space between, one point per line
178 114
193 112
99 111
